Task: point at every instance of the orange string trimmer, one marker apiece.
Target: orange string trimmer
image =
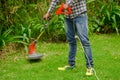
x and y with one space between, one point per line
32 48
61 10
32 55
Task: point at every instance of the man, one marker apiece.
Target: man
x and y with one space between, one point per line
76 22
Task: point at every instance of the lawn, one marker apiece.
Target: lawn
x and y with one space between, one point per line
106 55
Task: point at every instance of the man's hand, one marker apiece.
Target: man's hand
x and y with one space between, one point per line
64 9
46 16
65 6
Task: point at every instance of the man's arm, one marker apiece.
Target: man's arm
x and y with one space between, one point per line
52 5
51 8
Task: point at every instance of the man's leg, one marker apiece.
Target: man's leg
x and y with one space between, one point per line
70 34
81 25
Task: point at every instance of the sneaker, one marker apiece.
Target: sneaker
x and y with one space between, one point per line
89 72
67 67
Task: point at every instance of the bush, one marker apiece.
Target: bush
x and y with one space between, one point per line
104 16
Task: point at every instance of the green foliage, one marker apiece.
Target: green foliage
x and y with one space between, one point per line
23 17
6 38
106 16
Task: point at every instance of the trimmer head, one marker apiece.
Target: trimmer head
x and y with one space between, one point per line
32 55
35 56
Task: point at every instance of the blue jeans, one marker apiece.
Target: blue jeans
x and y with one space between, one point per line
78 25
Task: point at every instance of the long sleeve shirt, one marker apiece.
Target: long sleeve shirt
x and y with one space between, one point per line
78 7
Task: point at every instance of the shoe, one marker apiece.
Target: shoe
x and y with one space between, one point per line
89 72
67 67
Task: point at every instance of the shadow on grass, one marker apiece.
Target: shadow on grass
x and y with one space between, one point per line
34 60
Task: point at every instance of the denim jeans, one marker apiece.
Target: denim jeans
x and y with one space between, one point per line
79 26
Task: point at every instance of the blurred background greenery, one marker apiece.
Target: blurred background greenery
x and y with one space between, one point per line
21 20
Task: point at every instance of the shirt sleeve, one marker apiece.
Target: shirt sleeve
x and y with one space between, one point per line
52 5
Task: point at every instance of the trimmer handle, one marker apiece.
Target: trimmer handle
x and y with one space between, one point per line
61 10
45 22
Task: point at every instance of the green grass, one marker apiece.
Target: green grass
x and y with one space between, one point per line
106 55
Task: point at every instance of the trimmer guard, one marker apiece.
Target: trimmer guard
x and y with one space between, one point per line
34 56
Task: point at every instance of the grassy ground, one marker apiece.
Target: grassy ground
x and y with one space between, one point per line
106 55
